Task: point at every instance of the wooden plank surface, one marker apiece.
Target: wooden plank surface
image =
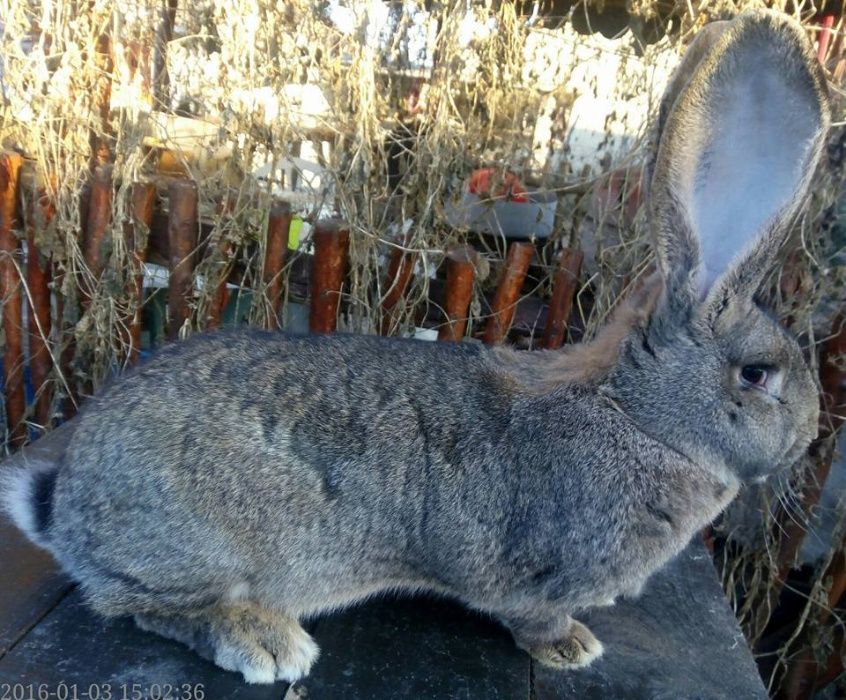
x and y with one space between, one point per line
72 646
30 585
678 641
30 582
414 648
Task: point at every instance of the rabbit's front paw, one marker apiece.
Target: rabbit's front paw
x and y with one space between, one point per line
263 645
577 650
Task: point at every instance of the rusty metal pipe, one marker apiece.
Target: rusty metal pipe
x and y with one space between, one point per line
221 252
102 140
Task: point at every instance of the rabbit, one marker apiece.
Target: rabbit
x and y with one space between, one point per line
240 482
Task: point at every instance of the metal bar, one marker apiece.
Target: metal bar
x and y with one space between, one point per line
102 140
164 34
508 292
66 345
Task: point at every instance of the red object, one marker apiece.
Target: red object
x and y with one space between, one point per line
508 185
826 23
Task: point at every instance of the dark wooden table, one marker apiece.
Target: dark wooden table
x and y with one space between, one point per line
678 641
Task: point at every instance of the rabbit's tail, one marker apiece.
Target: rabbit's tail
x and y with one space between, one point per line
26 495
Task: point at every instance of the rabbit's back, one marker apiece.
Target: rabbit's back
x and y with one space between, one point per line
247 452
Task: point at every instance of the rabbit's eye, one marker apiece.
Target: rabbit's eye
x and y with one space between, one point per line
756 375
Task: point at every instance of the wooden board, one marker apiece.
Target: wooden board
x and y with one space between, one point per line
30 583
678 641
72 646
414 648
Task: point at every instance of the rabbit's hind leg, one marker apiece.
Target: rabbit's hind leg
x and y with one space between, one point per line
554 639
262 644
576 649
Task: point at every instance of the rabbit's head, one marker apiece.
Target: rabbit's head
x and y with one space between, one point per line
712 373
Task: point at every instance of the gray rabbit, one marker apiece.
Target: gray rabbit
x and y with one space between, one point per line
240 482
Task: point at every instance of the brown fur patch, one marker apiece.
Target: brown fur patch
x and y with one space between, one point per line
585 364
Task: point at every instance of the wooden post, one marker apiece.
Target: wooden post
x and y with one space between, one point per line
461 271
101 141
182 229
10 296
220 253
331 247
220 297
135 230
99 215
400 267
508 292
40 212
565 284
275 251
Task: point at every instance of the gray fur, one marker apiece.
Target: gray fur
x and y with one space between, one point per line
240 482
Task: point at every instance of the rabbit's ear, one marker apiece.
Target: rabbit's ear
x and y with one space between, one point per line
736 153
696 52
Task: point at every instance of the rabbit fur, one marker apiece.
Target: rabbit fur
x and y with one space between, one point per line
239 482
